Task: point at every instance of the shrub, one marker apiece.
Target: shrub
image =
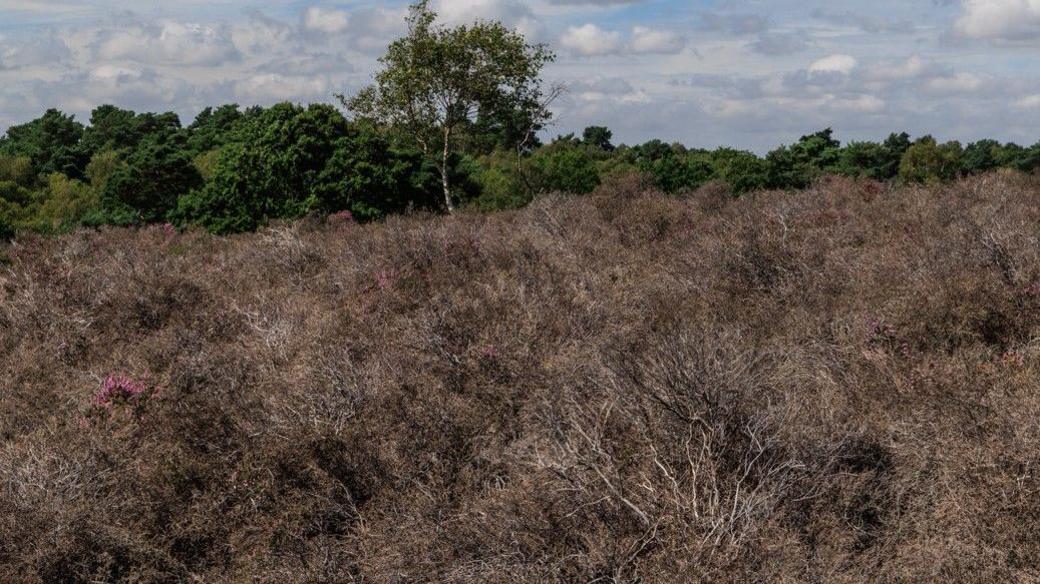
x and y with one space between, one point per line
116 388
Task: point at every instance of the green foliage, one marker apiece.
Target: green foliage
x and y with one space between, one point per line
207 164
452 115
213 128
672 167
926 161
112 128
437 81
981 156
500 183
18 170
563 166
64 203
797 165
598 137
51 143
6 228
1020 158
147 187
741 170
16 206
290 160
101 168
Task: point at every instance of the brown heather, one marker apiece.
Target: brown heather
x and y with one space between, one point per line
836 385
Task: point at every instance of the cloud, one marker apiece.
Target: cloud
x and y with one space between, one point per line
260 34
613 89
594 2
778 44
911 67
168 43
734 23
513 13
843 64
590 40
1009 20
753 87
647 40
40 50
1028 102
272 87
865 22
318 19
956 83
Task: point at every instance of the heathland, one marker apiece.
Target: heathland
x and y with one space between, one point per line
835 384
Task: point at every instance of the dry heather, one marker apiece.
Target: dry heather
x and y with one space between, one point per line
837 385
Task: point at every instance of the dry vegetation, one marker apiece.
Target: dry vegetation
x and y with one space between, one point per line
838 385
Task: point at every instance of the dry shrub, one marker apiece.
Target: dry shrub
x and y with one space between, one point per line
835 385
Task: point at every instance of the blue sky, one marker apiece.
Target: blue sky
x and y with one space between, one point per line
751 74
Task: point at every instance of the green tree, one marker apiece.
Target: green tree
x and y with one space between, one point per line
863 159
797 165
437 80
147 187
598 137
64 203
50 142
289 160
113 128
981 156
563 167
213 128
6 228
1019 157
741 170
17 169
927 161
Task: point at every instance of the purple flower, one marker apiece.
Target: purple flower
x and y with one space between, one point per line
117 387
342 218
385 279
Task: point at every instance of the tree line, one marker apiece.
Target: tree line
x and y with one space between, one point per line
233 169
452 119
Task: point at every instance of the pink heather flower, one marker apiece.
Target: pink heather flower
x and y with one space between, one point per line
385 279
489 352
117 387
166 229
342 218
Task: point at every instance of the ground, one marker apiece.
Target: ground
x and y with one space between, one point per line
835 385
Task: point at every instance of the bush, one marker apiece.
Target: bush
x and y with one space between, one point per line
928 162
288 160
563 168
627 386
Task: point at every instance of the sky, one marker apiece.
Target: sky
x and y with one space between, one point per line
752 74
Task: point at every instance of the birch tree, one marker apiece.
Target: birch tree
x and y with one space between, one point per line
436 80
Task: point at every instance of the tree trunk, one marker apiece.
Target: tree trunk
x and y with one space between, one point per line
444 173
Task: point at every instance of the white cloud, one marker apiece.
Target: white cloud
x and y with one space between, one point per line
259 34
38 51
912 67
325 21
590 40
169 43
1028 102
271 87
513 13
1013 20
647 40
860 104
956 83
834 64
